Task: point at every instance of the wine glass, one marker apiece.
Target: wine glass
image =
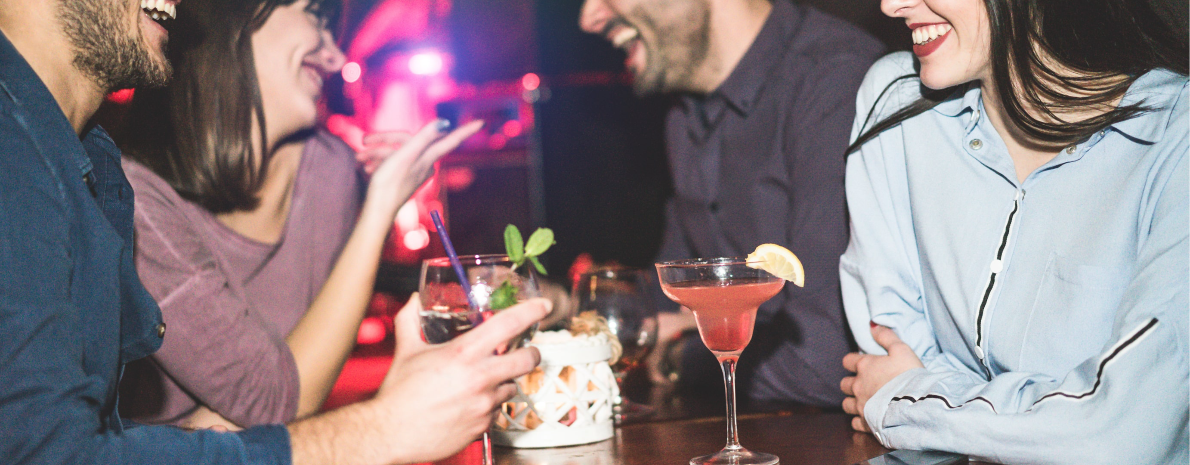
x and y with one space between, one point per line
617 295
495 283
724 295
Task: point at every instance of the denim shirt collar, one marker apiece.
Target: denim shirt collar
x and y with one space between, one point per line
26 89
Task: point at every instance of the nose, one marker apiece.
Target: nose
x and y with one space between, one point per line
897 8
329 55
594 16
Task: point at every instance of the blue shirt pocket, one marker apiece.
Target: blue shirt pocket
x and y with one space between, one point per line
1072 316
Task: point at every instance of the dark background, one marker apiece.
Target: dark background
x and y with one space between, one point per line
603 165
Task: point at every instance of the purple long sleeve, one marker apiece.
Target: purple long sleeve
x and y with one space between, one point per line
230 301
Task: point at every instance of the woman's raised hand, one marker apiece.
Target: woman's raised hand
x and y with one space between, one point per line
400 162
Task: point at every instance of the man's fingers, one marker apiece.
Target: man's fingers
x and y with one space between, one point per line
408 325
847 385
851 361
504 393
502 327
519 362
886 337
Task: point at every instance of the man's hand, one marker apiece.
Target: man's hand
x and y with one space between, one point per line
874 371
670 327
435 400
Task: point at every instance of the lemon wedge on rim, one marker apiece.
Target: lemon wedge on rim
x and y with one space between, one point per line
778 261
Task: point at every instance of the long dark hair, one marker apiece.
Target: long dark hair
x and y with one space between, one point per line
197 132
1087 43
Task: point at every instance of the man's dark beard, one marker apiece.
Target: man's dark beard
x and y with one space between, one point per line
102 50
682 46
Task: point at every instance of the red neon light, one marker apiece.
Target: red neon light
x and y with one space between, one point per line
121 97
512 128
371 331
531 81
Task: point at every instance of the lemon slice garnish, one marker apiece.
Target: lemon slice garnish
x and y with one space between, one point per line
778 261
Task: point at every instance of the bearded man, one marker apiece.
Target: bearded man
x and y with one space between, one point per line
73 312
765 101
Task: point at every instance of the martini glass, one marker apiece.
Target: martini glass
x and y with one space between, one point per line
723 294
447 312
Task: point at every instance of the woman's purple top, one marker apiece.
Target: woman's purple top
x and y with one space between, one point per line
230 301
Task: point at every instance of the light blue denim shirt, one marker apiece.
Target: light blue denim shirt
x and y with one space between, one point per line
1050 314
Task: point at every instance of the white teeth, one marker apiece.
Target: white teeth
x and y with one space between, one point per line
927 34
624 36
159 9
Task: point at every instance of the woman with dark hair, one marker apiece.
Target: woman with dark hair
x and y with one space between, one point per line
1017 276
251 232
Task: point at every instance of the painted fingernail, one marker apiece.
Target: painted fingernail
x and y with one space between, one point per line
873 324
442 124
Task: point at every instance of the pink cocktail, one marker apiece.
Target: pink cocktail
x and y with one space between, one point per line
725 310
724 294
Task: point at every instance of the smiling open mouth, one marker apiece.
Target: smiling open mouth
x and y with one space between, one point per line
160 10
926 34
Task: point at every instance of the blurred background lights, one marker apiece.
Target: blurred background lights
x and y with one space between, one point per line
530 81
512 128
351 72
416 239
371 331
425 64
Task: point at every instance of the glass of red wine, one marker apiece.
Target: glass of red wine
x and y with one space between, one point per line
618 295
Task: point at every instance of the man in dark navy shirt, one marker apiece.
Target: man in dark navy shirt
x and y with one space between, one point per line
766 98
73 311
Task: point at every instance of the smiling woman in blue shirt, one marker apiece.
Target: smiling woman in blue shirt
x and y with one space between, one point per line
1017 274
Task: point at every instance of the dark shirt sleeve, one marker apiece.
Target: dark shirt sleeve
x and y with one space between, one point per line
51 410
218 350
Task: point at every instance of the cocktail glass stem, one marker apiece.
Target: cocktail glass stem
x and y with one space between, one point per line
733 436
487 450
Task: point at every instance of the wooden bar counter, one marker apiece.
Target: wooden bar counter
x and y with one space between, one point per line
797 438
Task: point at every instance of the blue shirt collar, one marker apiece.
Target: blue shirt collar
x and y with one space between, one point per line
1157 89
963 99
27 91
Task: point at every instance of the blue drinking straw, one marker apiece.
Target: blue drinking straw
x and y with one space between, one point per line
454 258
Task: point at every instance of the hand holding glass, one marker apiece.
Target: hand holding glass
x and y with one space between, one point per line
446 312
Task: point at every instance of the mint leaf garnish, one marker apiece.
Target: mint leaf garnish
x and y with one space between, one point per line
537 264
514 245
539 242
518 252
504 296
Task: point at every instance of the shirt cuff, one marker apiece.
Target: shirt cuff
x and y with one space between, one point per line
267 445
877 405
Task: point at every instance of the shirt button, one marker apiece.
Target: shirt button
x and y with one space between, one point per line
1072 149
161 330
997 266
976 144
979 352
974 116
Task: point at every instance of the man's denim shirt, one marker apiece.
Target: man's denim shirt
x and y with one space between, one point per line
72 309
